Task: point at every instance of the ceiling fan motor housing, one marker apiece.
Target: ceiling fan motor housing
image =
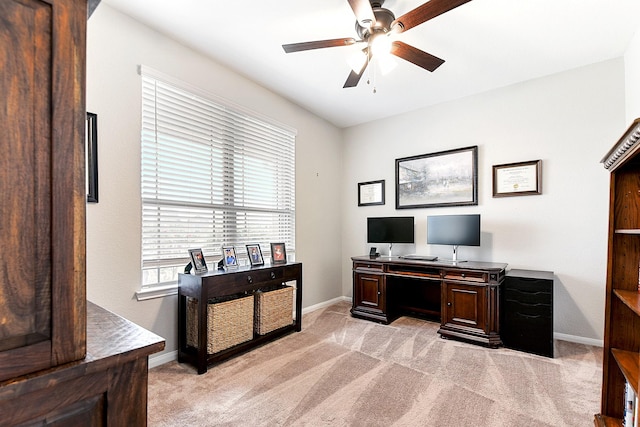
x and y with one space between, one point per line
384 18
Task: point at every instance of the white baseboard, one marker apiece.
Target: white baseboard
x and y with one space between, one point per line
324 304
579 340
162 358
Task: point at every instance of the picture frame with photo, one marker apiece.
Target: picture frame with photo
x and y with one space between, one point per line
197 260
229 257
278 253
255 254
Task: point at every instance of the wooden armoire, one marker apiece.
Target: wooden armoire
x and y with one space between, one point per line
63 361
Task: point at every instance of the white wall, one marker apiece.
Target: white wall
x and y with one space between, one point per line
116 46
569 120
632 72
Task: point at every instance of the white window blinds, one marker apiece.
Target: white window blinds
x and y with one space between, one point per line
212 175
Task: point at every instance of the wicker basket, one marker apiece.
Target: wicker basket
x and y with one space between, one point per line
273 309
229 323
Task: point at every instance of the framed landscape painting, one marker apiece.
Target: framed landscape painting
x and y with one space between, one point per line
445 178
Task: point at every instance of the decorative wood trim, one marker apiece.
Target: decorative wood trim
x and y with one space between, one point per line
625 146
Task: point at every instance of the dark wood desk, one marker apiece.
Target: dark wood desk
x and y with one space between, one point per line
463 296
221 283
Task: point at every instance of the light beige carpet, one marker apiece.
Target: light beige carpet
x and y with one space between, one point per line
342 371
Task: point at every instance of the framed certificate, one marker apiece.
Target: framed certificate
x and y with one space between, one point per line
371 193
517 179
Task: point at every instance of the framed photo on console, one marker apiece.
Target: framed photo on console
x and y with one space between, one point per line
278 253
197 260
229 258
255 255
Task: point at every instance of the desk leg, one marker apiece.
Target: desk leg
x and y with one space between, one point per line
202 334
299 301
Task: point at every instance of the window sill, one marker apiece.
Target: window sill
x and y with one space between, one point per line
157 292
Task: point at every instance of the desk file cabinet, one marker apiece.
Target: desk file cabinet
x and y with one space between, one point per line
527 311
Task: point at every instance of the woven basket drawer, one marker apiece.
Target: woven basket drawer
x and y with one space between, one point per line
228 323
273 309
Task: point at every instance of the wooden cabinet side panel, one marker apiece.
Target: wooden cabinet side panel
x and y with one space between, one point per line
127 394
42 185
68 186
25 183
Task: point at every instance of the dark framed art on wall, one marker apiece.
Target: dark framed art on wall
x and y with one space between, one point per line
517 179
91 157
371 193
445 178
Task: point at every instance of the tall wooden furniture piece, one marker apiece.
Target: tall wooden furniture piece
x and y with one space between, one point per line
527 311
221 283
622 308
464 296
57 366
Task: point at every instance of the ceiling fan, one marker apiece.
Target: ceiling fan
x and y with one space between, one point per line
374 24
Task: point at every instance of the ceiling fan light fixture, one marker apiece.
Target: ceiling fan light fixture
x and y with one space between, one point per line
386 63
356 60
380 45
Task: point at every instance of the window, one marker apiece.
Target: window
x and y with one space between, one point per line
212 174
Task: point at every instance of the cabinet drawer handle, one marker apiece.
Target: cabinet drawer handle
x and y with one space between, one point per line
464 275
273 275
530 316
448 304
249 279
379 293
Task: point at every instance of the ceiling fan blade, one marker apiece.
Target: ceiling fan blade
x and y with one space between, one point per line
363 11
416 56
425 12
354 77
318 44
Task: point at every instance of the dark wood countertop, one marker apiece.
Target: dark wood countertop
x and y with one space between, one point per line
471 265
111 341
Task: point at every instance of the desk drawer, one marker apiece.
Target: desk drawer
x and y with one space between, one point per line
528 310
369 266
467 275
526 284
527 297
526 331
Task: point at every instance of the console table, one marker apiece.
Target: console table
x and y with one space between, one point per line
221 283
464 296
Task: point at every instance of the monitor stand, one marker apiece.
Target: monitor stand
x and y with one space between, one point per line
455 259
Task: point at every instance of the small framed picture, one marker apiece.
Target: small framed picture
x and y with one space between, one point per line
517 179
197 260
255 255
371 193
229 257
278 253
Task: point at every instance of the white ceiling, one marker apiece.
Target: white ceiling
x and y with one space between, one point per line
486 44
